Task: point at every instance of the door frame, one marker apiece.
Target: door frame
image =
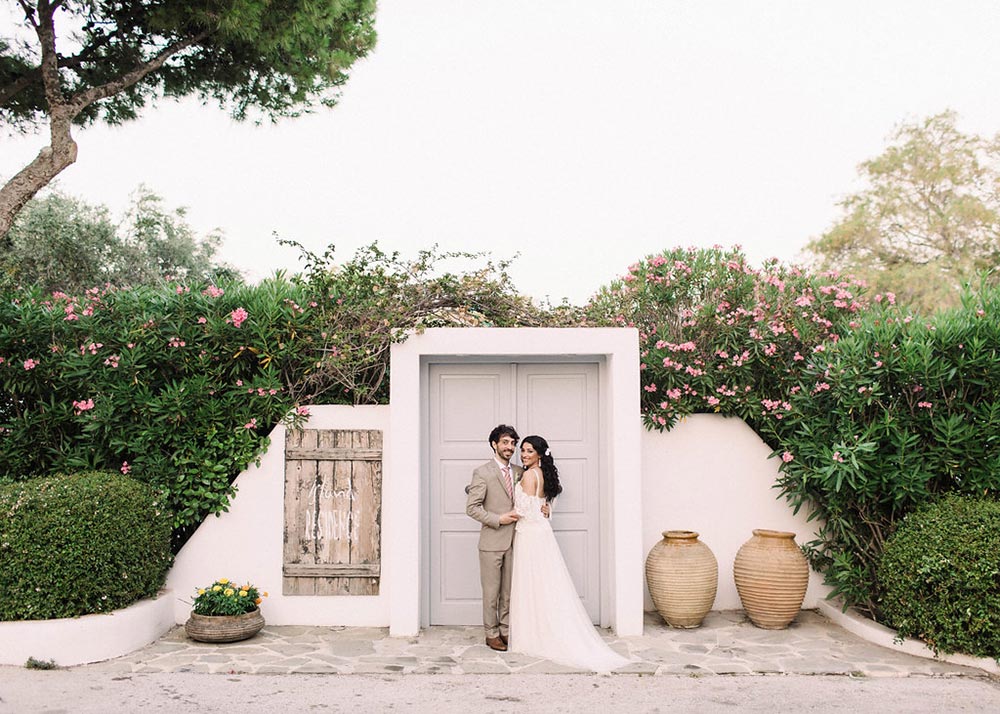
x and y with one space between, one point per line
407 460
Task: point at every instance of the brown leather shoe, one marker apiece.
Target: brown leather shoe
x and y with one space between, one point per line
504 638
496 643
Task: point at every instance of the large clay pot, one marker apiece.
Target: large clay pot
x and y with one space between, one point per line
682 575
224 628
771 577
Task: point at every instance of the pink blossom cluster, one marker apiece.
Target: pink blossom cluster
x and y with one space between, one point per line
83 405
213 291
238 316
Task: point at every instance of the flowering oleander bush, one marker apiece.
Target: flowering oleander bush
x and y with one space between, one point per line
912 412
178 385
940 576
718 335
225 597
79 544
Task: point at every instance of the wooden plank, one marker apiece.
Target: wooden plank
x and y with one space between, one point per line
366 506
334 454
334 570
304 520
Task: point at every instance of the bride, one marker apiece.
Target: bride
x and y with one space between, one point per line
547 618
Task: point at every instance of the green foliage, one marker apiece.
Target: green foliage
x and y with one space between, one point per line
80 544
32 663
718 335
225 597
275 59
910 411
940 575
61 243
179 384
927 220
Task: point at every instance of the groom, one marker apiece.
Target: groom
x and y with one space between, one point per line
491 502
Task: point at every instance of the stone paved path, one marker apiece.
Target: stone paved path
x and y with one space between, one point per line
726 644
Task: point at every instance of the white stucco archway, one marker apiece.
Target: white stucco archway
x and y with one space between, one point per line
618 352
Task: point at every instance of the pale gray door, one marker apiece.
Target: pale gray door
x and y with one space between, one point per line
556 401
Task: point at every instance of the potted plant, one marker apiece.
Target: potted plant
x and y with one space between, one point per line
225 612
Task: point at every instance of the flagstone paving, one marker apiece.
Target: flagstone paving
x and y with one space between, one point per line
726 644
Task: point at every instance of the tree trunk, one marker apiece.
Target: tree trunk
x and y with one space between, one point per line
60 153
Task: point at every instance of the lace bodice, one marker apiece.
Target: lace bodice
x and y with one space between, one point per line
528 507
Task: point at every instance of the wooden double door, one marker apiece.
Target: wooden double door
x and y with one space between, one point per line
465 401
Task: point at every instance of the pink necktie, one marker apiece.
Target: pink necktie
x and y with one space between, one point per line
506 481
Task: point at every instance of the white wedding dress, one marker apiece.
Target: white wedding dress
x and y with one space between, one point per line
547 618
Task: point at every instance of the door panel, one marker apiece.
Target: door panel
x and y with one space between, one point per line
556 401
465 403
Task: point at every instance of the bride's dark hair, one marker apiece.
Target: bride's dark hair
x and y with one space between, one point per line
550 474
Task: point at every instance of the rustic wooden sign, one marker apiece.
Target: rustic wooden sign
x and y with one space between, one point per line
333 512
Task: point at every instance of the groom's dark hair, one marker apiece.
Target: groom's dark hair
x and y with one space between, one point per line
503 430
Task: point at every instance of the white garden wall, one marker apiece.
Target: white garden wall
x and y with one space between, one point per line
711 474
246 542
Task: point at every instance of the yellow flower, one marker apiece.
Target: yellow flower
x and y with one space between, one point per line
216 588
228 592
201 591
223 581
243 593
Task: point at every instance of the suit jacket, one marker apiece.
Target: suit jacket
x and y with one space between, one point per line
487 501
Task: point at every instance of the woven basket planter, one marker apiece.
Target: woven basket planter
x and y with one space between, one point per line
771 577
224 628
682 575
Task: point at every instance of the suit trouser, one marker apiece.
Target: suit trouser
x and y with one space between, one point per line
495 570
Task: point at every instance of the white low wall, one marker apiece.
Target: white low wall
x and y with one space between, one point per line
91 638
711 474
246 543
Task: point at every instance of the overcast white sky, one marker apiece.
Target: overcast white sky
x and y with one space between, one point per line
582 134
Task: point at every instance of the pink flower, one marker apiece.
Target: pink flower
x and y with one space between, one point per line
238 316
837 457
213 291
712 400
202 320
125 467
30 363
252 424
82 406
112 361
787 456
302 411
239 382
924 405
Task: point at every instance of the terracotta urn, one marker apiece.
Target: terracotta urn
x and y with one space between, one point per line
682 575
224 628
771 576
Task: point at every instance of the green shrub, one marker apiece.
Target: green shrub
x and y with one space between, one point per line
718 335
940 574
179 384
79 544
897 413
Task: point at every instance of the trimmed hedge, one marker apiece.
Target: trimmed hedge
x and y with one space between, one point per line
79 544
940 573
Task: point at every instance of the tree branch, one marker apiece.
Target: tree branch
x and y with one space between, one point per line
89 96
32 75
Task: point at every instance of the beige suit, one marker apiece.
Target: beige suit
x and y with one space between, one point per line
487 501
